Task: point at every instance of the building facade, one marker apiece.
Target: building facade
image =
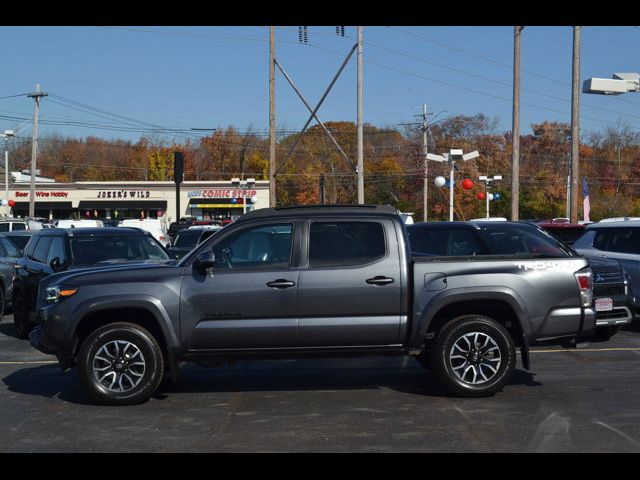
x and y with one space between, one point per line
119 200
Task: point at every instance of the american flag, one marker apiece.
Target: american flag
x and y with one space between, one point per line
586 205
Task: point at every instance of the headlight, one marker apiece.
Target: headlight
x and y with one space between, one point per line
56 293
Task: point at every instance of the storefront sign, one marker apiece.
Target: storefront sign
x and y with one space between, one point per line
221 193
41 194
124 194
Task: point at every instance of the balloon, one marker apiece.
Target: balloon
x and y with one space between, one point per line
4 203
12 203
480 196
467 184
490 196
439 181
254 199
497 196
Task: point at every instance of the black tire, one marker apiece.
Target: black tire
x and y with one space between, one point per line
605 333
122 372
495 365
20 316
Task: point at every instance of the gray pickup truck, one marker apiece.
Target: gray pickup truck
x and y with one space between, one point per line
322 280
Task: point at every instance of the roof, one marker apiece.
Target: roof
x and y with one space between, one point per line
318 210
560 225
90 231
475 225
622 223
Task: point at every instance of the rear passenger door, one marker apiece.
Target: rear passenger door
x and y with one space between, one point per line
350 287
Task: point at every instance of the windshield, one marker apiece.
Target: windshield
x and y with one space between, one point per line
19 241
187 238
115 248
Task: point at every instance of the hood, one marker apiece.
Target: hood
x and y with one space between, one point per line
75 273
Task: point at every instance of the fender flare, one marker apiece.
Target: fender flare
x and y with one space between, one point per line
146 302
466 294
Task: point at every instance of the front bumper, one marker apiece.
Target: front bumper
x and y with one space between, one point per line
52 334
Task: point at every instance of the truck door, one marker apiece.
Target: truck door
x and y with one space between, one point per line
249 299
350 287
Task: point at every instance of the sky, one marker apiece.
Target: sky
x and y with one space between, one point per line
187 77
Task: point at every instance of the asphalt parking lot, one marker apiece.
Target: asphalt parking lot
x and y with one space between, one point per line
580 400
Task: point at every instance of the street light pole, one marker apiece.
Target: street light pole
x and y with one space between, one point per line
487 185
451 157
6 135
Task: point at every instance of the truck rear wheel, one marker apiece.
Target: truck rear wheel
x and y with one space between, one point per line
473 356
120 364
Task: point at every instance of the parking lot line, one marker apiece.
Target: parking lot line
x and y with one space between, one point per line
617 349
28 363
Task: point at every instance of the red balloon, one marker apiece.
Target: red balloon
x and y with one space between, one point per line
12 203
467 184
480 196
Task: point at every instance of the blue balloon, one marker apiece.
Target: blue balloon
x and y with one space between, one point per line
497 196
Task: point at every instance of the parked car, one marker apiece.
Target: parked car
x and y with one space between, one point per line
188 238
303 281
79 223
612 289
14 224
154 226
19 238
56 250
565 231
619 241
9 255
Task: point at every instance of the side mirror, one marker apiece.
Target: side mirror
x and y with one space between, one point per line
204 261
168 245
55 264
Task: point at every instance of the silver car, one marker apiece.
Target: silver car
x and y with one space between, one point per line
619 241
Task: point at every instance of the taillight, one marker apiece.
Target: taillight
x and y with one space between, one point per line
585 286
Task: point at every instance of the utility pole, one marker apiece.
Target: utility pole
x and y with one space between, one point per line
34 148
425 193
575 125
515 129
360 127
322 189
272 118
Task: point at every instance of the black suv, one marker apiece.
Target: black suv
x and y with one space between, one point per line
187 239
54 250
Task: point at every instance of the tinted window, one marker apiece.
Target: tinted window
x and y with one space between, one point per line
521 240
428 241
4 227
57 250
19 226
10 249
115 248
258 247
42 249
19 241
488 240
345 243
187 238
622 240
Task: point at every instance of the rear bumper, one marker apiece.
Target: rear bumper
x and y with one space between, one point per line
562 323
617 316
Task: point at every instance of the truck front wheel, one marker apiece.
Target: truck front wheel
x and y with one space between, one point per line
120 364
473 356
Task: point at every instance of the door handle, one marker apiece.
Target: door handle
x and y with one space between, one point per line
281 283
379 280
